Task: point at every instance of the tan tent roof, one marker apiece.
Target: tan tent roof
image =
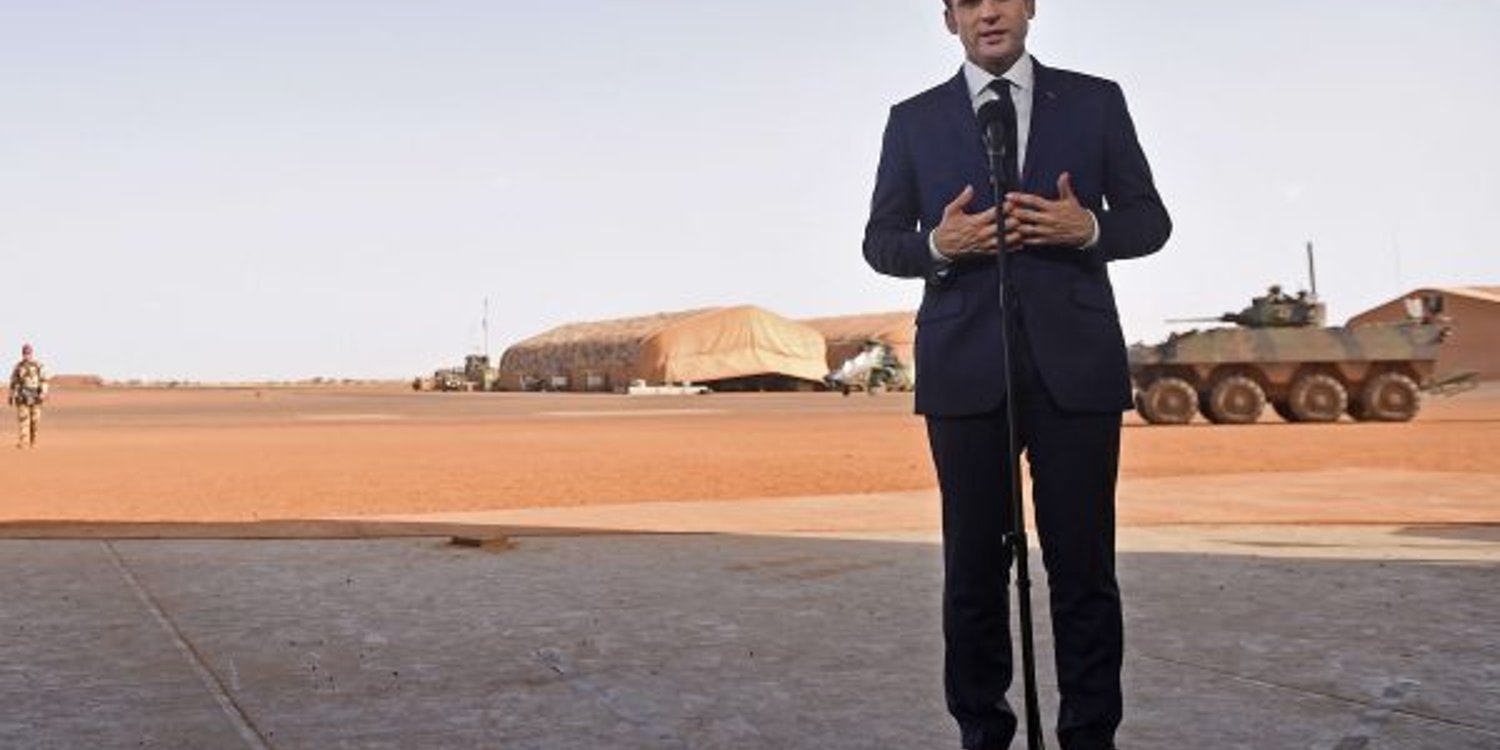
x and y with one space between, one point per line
595 345
696 345
890 327
731 342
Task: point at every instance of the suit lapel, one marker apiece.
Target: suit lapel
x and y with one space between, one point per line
958 110
958 113
1040 141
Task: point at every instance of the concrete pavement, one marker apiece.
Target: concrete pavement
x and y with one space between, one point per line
1317 638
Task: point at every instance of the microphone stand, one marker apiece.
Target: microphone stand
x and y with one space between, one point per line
997 142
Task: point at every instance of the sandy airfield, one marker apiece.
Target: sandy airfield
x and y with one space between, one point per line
230 455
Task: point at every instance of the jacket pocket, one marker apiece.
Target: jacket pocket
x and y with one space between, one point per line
1094 295
940 305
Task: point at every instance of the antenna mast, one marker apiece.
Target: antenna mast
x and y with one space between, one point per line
484 324
1312 271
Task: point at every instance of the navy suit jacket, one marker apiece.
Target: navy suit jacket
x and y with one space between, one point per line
932 149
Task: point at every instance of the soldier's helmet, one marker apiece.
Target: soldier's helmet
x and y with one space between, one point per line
26 350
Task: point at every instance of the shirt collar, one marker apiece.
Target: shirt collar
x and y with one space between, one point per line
1021 75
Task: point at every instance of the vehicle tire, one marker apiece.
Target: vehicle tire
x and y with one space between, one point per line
1284 411
1318 397
1167 401
1388 397
1235 399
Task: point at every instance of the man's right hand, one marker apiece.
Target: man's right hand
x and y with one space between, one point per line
962 233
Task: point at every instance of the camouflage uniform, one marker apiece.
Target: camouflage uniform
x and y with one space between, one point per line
28 389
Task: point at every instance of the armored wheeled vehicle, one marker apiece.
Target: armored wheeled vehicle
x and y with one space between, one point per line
1280 352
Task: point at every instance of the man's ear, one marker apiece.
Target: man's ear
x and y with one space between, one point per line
948 20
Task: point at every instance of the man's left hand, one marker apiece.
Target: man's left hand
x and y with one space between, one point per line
1032 220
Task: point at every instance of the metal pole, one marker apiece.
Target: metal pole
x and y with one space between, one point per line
1017 538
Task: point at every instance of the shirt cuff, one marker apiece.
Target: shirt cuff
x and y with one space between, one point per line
932 247
1094 237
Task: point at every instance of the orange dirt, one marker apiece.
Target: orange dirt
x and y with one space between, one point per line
245 454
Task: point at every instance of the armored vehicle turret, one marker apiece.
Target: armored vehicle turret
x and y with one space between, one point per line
1281 353
1274 309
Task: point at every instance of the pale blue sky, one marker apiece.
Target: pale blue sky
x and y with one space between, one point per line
214 190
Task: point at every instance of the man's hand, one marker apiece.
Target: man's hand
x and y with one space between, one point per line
960 233
1033 220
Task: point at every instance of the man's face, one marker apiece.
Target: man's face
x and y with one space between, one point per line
993 32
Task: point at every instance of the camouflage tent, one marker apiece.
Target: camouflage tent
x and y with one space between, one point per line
1475 344
846 335
724 346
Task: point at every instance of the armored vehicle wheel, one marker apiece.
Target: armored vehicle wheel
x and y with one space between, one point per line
1167 401
1234 400
1317 397
1388 397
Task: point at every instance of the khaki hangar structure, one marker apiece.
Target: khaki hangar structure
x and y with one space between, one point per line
1475 312
726 348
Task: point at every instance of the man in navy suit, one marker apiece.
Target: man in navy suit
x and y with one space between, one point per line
1085 198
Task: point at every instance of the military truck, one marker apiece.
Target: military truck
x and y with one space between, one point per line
1281 353
475 375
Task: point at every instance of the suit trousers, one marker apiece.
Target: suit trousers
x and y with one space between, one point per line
1074 461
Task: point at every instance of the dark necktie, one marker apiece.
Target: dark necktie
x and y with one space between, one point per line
1001 87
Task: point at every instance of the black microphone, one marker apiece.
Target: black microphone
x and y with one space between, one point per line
998 123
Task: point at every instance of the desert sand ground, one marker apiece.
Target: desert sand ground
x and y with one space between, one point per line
229 455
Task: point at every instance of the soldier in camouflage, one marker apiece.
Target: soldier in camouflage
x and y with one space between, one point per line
28 389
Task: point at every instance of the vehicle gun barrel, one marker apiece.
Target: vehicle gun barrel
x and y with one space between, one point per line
1225 318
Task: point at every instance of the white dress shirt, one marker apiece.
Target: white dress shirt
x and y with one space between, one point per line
1022 80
